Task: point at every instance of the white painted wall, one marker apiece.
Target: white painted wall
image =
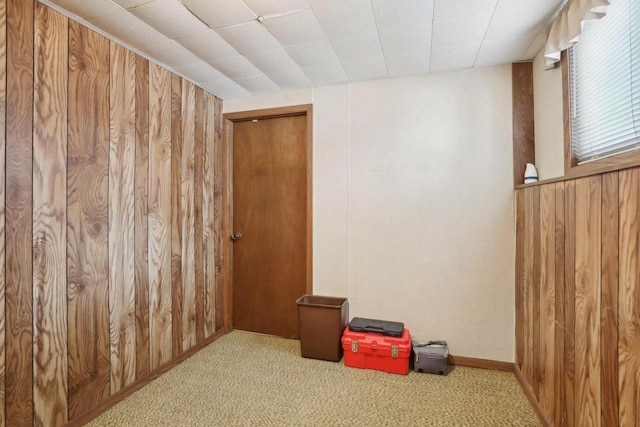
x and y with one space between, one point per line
549 131
413 203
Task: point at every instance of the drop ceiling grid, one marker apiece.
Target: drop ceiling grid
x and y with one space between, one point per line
237 48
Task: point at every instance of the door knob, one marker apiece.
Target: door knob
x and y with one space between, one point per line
236 236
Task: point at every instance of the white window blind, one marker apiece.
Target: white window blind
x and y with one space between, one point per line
604 74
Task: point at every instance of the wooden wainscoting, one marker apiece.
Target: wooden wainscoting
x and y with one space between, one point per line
111 218
578 298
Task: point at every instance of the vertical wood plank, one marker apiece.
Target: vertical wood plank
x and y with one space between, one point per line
49 217
208 215
3 105
568 410
18 211
121 217
523 119
141 217
221 218
198 173
609 320
87 219
587 300
520 277
188 215
160 215
629 299
531 296
535 292
176 213
547 297
559 306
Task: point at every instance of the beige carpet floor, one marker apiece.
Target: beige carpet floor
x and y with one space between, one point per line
246 379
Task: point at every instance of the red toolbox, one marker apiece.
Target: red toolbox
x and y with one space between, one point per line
369 350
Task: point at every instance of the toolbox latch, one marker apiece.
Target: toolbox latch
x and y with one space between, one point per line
394 351
354 346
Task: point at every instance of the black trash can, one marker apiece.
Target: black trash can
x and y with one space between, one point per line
321 321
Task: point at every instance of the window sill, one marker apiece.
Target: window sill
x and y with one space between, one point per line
610 164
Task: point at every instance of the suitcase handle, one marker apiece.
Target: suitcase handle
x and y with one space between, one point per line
442 343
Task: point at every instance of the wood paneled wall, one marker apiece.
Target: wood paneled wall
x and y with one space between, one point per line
110 217
578 298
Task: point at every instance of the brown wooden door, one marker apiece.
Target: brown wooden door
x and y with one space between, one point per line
270 212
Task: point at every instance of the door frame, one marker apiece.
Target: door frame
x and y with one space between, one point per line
228 121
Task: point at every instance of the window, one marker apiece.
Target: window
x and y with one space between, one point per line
604 78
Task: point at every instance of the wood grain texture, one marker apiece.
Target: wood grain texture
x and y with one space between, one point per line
50 365
222 219
176 214
609 304
559 306
160 334
3 106
87 219
546 394
121 217
141 217
629 299
18 212
531 300
523 119
520 279
587 300
568 409
198 175
269 209
209 206
188 215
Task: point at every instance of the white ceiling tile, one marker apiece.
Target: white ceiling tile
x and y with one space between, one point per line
453 58
353 47
88 10
170 17
458 32
226 89
127 4
400 14
220 13
325 74
320 3
129 30
302 27
249 38
236 67
272 61
314 53
518 18
498 52
200 72
347 18
276 7
366 68
405 40
406 64
170 53
293 78
461 9
535 46
258 84
208 45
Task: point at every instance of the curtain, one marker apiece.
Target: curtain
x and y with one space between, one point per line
567 27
